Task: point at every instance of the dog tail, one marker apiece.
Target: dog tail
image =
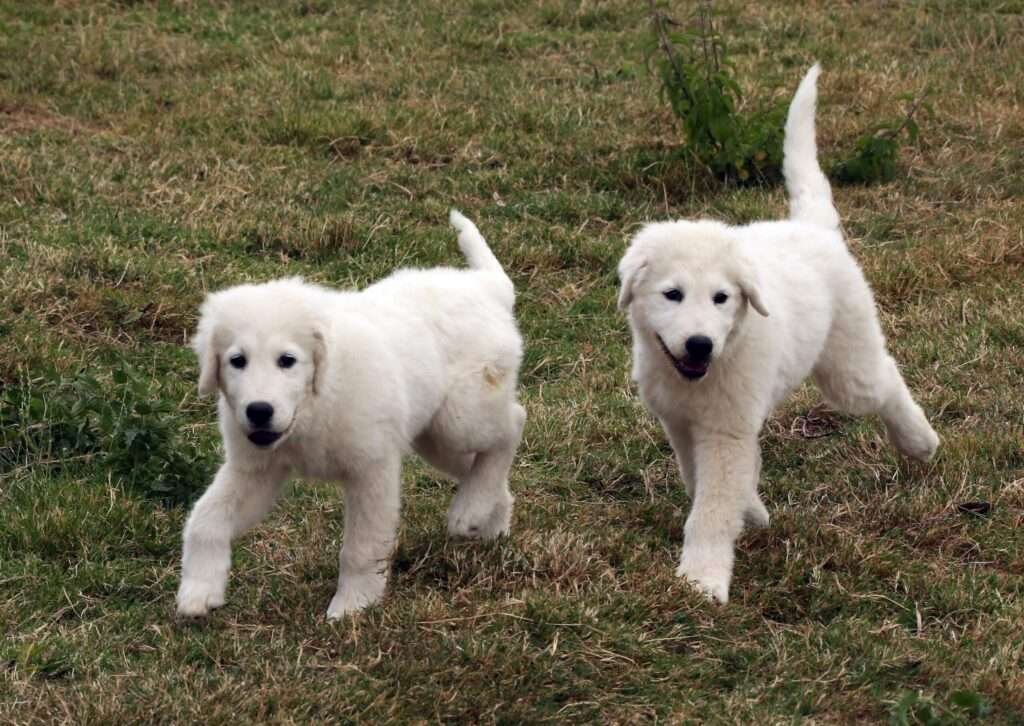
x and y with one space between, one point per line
473 245
810 196
479 255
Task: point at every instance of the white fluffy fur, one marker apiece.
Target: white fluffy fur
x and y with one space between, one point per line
798 305
424 360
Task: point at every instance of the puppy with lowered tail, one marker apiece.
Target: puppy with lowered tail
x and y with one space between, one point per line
727 321
340 386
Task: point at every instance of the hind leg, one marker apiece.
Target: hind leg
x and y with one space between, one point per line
868 381
906 423
682 446
455 464
756 514
482 506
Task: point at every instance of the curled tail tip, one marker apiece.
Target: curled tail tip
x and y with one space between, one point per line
811 77
473 245
807 92
457 219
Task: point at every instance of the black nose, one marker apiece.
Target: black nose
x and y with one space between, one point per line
699 347
259 413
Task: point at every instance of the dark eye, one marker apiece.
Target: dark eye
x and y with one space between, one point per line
287 360
237 361
673 295
720 298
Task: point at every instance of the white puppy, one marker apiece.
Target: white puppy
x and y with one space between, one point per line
727 321
339 386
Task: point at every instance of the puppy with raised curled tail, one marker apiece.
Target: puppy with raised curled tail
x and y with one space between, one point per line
340 386
727 321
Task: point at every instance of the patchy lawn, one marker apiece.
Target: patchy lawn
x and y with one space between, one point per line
150 151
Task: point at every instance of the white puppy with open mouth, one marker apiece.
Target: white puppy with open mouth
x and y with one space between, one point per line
340 386
727 321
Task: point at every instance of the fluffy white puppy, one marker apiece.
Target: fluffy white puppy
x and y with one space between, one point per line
727 321
339 386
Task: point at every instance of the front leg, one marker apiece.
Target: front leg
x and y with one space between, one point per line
235 502
726 471
371 526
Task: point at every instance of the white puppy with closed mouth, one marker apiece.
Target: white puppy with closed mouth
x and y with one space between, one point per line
338 385
727 321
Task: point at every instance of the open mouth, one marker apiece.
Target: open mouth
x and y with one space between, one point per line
264 438
686 366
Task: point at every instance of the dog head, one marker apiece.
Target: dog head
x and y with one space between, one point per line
687 286
263 348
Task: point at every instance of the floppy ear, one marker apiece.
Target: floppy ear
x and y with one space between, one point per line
205 345
209 363
319 359
631 269
750 283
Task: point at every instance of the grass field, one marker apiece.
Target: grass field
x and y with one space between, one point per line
152 151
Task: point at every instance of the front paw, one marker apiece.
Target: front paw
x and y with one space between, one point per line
197 598
356 592
479 517
709 575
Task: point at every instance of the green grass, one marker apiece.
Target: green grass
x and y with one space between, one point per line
150 151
